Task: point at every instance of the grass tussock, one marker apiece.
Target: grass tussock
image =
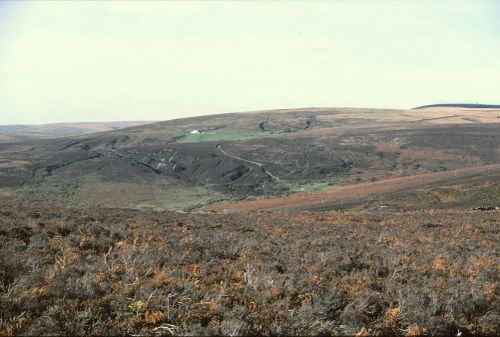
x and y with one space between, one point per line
109 272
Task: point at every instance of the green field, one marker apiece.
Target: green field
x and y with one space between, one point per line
306 187
214 137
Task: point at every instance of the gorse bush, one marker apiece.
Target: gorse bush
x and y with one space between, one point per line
109 272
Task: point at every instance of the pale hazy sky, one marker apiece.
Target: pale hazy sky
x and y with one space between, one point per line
124 60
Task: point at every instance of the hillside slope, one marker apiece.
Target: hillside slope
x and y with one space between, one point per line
461 105
17 133
193 162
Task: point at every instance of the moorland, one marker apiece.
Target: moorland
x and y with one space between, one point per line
314 221
115 272
198 162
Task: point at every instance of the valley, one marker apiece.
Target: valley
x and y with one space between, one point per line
317 221
197 162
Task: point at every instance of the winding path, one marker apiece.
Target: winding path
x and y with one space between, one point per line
269 174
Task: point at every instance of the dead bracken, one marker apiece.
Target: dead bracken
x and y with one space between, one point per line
109 272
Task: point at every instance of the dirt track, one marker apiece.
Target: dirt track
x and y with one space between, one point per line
305 200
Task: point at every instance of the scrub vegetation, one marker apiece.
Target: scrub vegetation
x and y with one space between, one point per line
253 155
193 227
110 271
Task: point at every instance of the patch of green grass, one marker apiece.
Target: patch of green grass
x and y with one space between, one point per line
214 137
306 187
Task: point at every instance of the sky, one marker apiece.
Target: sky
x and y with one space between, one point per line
75 61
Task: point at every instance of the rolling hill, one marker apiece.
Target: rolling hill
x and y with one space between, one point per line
461 105
317 221
21 132
201 161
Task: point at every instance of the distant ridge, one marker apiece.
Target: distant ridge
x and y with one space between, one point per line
460 105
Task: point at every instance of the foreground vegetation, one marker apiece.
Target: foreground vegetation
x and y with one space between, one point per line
108 272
